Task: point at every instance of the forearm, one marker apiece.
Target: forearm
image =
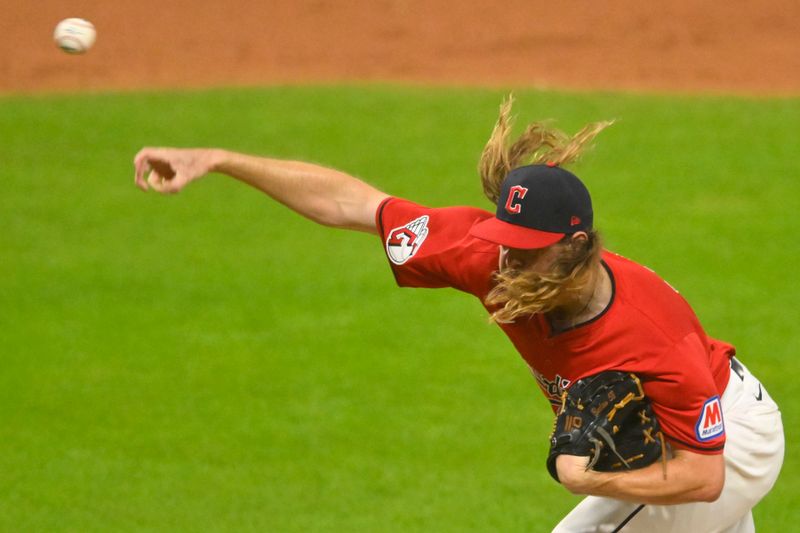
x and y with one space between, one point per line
689 478
324 195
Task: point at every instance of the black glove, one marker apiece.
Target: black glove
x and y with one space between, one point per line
608 418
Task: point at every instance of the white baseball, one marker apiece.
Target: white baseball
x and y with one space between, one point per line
74 36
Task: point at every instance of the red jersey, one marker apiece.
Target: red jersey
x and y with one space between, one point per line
647 328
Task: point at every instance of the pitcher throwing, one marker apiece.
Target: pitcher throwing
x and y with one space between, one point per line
571 308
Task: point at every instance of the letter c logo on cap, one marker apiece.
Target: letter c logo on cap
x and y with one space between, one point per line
515 193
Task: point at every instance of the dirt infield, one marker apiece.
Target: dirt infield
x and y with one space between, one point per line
738 46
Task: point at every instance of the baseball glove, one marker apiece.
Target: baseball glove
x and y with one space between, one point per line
608 418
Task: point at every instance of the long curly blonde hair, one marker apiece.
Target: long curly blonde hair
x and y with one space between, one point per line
521 292
539 143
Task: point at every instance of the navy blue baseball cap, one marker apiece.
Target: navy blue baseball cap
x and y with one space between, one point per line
538 206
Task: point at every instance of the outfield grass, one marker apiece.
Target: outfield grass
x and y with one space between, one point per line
213 362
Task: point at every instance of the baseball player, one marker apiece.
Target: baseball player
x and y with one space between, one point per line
571 308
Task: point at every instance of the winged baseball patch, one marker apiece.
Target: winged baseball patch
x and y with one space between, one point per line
404 242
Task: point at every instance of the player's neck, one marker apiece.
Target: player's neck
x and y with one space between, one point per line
589 302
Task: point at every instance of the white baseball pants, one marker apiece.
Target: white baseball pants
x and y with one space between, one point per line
753 454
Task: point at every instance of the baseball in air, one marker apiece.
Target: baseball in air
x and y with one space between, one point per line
74 36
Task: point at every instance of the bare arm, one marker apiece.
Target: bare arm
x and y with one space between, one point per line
326 196
691 477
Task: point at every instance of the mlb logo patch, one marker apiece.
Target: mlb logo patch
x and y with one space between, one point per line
404 242
710 425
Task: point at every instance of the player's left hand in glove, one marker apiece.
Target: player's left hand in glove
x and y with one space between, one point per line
608 418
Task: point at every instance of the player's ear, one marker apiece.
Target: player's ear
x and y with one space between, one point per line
579 236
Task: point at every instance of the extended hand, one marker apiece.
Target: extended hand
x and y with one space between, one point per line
168 170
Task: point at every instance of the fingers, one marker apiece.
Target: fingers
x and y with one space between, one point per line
165 185
168 170
155 181
164 168
156 163
174 185
141 168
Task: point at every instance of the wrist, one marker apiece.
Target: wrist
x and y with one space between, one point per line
217 159
572 473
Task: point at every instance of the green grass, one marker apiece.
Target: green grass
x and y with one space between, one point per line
213 362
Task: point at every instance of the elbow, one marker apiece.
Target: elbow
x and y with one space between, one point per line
330 214
325 215
324 219
711 487
703 475
712 490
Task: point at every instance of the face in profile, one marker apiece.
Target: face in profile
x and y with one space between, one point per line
538 260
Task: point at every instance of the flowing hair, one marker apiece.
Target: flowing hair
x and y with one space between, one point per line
521 292
539 143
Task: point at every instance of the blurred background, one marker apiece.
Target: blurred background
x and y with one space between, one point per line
742 46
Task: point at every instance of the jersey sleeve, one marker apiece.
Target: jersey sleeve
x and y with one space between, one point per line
686 399
431 247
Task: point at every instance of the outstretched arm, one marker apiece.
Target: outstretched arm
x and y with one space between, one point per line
326 196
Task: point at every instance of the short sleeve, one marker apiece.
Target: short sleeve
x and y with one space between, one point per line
686 400
431 247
